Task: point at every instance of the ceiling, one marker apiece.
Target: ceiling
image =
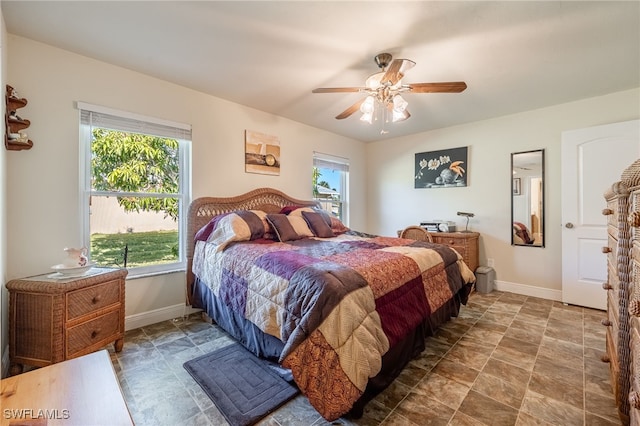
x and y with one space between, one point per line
514 55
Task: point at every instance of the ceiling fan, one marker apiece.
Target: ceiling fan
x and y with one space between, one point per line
385 87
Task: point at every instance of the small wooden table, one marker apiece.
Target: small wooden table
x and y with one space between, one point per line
82 391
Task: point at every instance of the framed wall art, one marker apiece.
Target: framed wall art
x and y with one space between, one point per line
517 186
261 153
441 169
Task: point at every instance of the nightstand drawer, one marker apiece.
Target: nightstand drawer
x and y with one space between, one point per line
91 299
81 338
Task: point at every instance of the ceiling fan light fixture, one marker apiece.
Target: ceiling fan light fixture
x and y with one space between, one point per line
373 81
383 101
368 105
399 116
367 117
399 104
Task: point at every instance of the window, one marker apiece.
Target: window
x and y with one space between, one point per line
135 187
330 183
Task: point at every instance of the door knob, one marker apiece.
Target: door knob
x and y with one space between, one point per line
568 225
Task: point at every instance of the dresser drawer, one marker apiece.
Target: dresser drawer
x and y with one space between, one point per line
613 317
612 279
612 219
83 338
612 245
91 299
614 367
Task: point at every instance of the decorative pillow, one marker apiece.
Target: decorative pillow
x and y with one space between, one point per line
337 226
318 224
242 225
284 229
268 233
288 209
300 210
204 232
300 226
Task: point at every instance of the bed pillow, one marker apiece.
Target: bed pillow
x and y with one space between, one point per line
283 227
204 232
242 225
325 215
288 209
300 226
318 224
337 226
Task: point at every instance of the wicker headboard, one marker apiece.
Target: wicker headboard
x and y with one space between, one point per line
203 209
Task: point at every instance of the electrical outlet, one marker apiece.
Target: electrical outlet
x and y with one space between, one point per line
490 262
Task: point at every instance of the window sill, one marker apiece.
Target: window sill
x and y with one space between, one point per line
135 276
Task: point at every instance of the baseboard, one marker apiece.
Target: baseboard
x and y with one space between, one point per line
5 362
157 315
528 290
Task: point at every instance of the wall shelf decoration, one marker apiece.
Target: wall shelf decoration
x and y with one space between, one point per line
14 137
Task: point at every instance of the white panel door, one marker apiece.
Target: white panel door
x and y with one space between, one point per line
592 160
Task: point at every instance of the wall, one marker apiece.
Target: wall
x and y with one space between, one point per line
393 203
4 311
43 196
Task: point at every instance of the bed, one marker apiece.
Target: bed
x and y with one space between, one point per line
345 311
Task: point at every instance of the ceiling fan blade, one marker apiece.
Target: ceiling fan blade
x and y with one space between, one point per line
337 89
396 71
353 108
448 87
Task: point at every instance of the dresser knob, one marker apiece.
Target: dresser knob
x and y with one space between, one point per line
605 358
606 286
606 322
607 212
95 299
94 333
606 249
634 400
634 307
634 219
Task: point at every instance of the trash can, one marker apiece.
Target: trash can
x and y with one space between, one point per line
485 277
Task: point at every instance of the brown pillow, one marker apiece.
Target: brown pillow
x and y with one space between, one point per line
281 225
337 226
318 224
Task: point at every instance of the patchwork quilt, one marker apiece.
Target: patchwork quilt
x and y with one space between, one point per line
338 304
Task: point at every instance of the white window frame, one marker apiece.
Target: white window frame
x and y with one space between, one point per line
145 125
328 161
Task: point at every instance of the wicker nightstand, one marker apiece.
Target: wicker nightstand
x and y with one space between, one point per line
52 320
465 243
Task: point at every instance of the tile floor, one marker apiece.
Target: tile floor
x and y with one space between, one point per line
507 359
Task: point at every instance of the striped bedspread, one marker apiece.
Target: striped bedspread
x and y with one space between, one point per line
337 304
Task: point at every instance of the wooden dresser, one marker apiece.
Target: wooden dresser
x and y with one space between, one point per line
53 319
465 243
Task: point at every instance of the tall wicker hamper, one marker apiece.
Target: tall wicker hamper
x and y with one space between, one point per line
631 178
617 286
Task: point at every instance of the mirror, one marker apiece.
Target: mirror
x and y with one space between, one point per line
527 198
